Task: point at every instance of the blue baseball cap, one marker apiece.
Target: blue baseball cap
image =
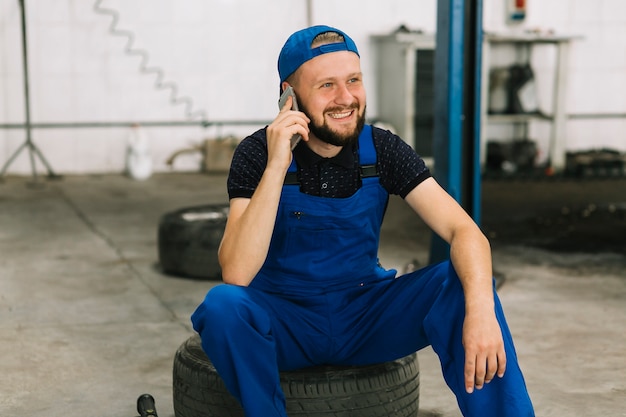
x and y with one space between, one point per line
297 50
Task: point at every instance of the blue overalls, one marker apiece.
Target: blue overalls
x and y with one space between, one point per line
321 297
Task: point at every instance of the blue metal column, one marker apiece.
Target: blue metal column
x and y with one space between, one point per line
476 33
456 146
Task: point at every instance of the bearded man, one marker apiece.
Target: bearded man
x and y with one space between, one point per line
302 282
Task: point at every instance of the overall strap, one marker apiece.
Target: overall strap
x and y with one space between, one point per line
367 158
367 153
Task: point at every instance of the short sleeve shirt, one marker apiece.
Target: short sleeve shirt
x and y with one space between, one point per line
399 168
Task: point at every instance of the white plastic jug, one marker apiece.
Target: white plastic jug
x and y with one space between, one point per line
138 158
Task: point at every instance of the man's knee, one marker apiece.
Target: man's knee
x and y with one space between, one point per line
221 304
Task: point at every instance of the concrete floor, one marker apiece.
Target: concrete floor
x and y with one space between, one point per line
88 322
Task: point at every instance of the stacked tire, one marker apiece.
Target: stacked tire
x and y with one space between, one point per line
188 240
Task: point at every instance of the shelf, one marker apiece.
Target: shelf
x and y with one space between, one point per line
405 86
517 118
524 41
528 37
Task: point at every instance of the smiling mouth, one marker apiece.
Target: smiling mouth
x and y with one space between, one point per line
341 115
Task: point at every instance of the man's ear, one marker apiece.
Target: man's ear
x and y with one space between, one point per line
283 86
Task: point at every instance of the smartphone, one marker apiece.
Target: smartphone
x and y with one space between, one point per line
294 106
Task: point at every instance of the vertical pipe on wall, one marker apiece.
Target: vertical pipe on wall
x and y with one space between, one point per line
25 72
309 12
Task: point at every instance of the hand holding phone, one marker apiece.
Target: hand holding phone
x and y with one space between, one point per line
294 106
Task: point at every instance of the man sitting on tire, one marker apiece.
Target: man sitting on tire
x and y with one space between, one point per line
302 282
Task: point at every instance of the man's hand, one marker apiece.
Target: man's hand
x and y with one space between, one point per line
286 124
484 350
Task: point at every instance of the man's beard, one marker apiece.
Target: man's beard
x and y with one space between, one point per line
326 134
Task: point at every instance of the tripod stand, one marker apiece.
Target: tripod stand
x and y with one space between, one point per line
33 150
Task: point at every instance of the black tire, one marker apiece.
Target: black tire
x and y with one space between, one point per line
387 389
188 240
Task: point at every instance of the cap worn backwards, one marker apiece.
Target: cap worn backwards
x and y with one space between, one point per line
297 50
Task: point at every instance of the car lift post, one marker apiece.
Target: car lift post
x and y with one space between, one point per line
456 147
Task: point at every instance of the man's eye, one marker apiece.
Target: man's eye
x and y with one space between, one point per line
327 85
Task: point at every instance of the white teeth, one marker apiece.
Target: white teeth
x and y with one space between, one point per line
340 115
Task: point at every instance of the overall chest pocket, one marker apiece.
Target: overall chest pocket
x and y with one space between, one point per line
311 240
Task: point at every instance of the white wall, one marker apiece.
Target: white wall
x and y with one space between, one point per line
222 54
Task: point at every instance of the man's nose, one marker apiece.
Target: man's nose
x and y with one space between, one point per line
344 96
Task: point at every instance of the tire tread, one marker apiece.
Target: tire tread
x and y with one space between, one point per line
386 389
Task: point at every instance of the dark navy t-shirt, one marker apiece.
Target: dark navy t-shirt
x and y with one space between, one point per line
400 169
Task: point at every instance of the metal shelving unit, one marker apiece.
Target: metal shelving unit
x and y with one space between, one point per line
524 44
405 89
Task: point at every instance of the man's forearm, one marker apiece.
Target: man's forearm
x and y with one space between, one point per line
248 233
470 254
